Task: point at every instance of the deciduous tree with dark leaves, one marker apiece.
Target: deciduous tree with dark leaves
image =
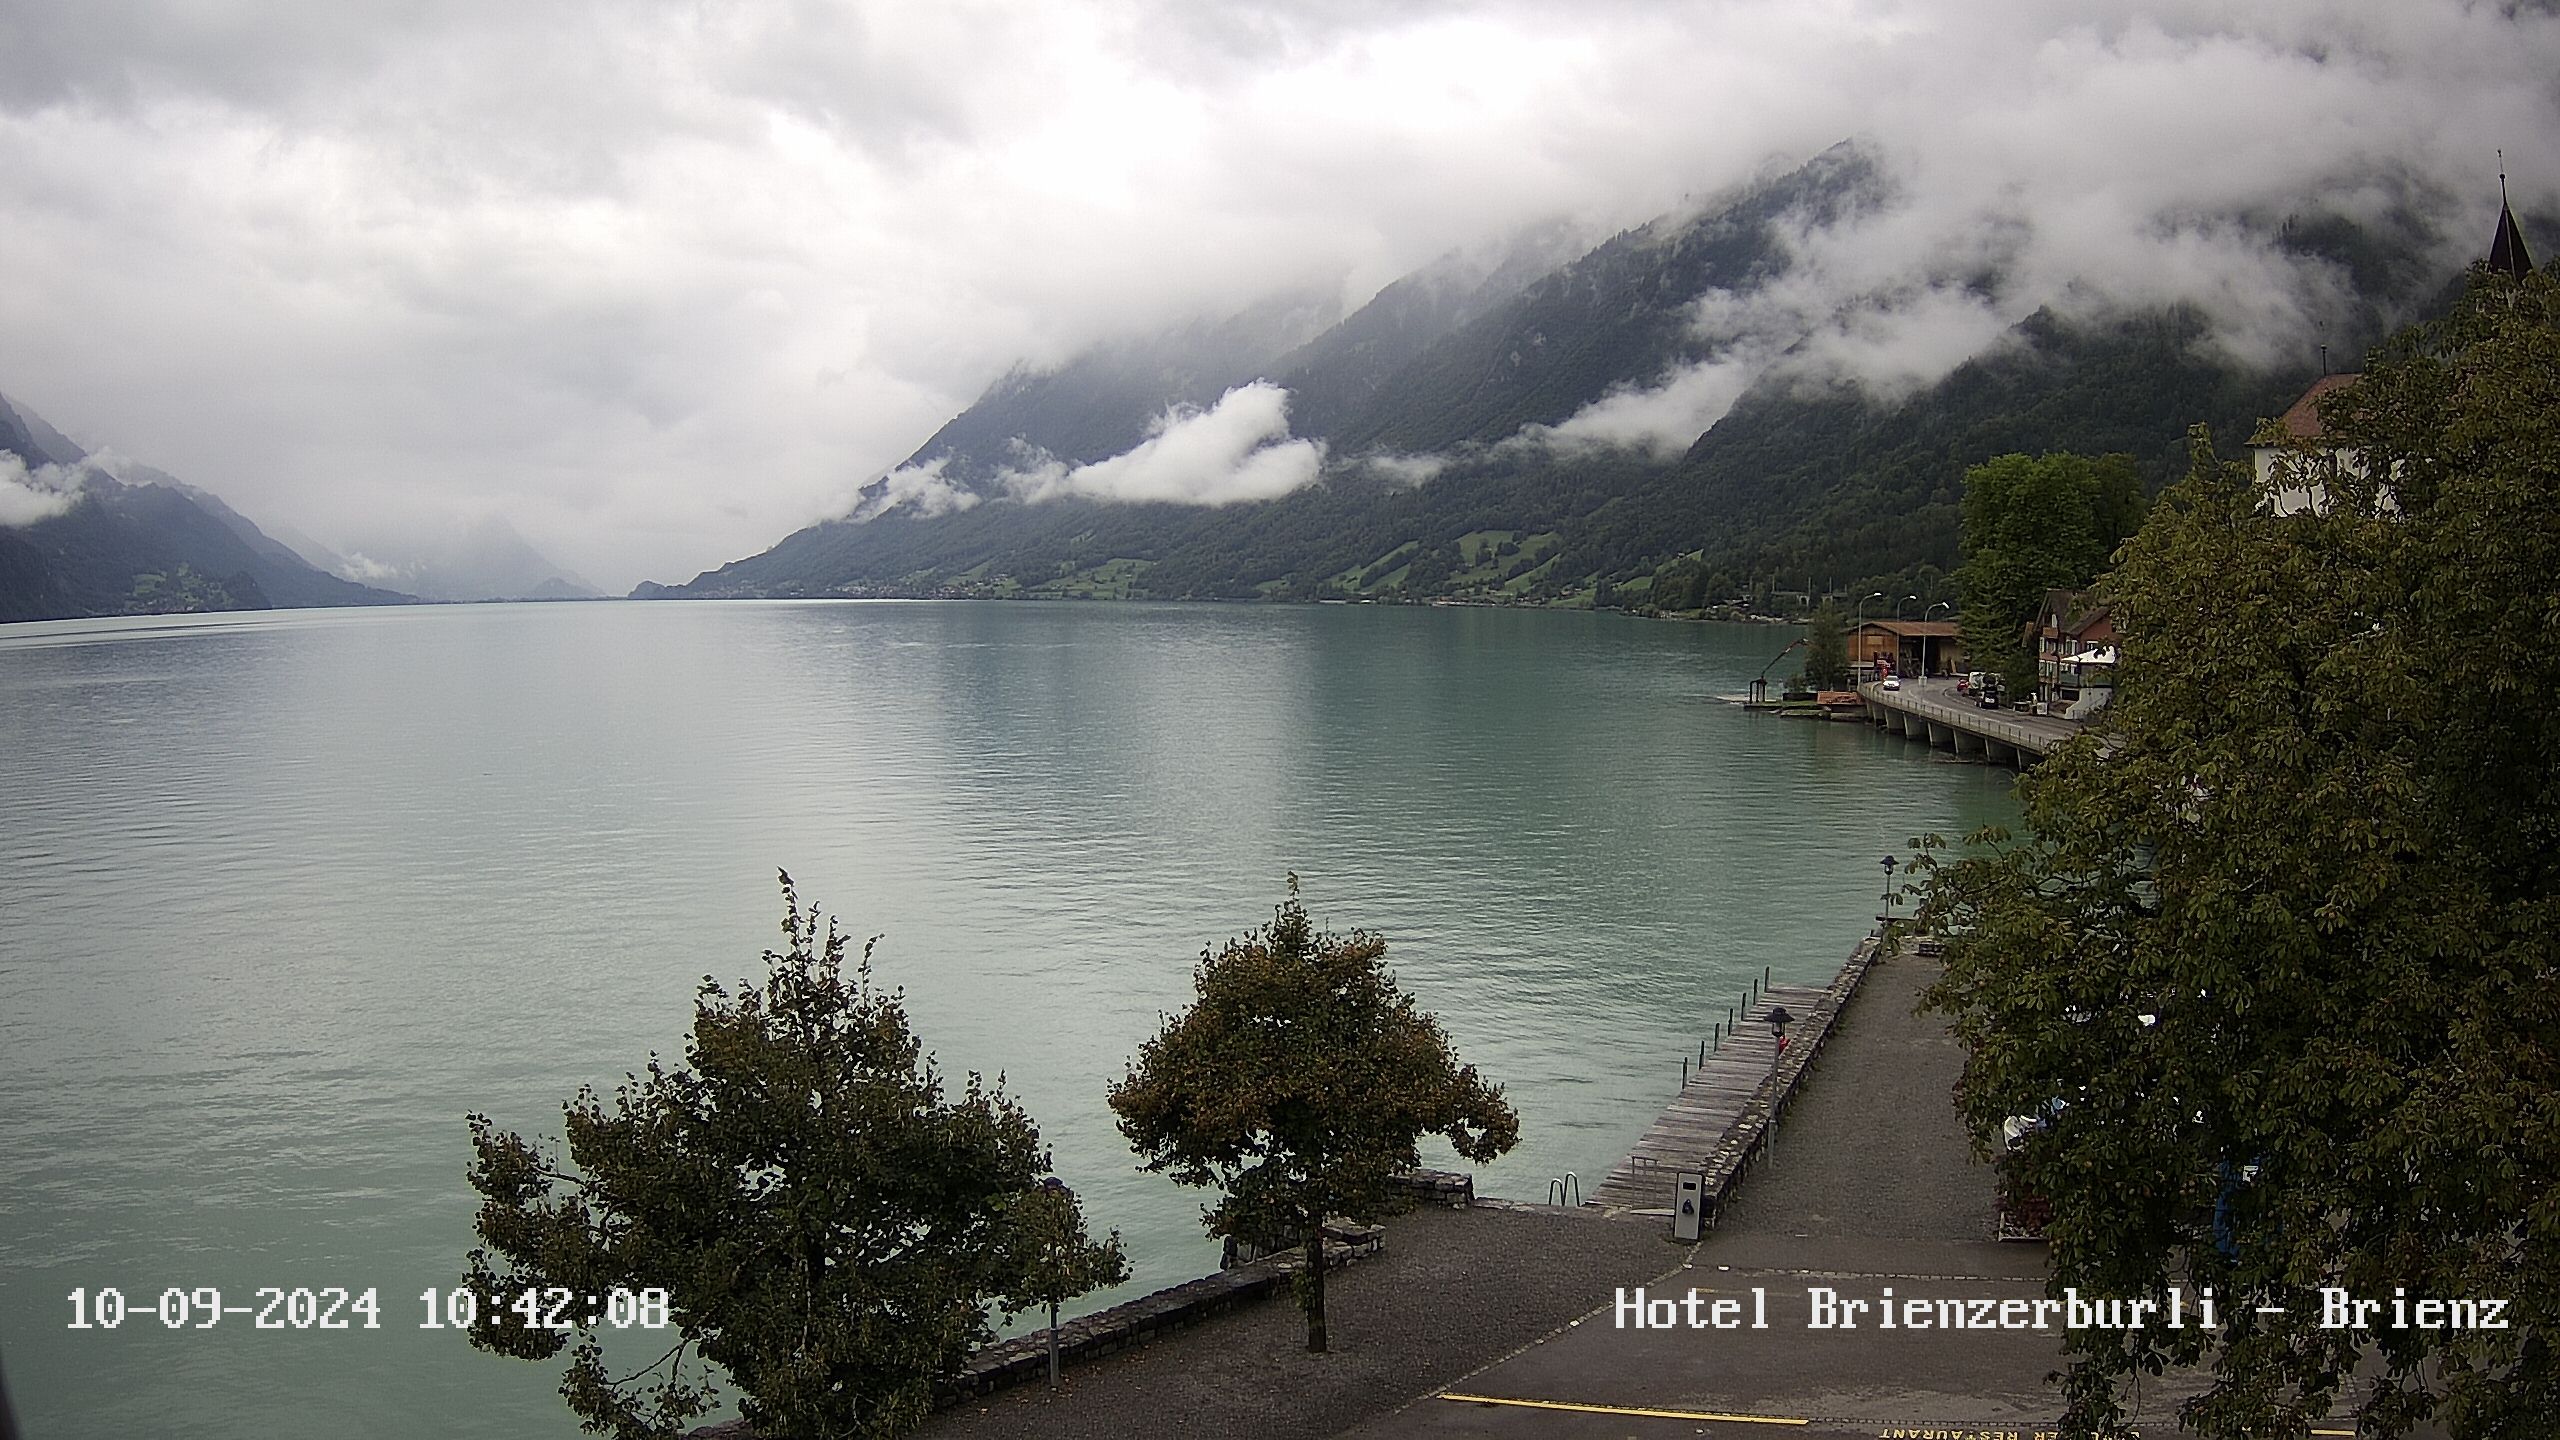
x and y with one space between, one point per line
830 1227
1299 1084
2279 968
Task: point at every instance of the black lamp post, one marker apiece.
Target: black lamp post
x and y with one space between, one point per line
1887 916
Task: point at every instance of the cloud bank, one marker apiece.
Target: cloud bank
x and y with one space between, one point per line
1236 450
656 280
27 497
922 490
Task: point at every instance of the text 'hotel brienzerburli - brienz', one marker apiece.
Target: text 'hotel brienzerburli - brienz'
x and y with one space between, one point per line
2176 1309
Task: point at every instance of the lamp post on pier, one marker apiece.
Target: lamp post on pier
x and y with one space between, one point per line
1861 630
1924 619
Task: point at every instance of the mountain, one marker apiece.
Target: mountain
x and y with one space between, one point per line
1454 411
1099 404
92 543
484 560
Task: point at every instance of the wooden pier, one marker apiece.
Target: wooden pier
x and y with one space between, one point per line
1721 1119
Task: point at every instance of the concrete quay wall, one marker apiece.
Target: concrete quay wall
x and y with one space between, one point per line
1935 715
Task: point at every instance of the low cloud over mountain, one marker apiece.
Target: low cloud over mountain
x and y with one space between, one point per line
660 282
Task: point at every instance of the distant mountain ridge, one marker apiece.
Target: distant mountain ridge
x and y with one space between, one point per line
1431 401
485 559
145 542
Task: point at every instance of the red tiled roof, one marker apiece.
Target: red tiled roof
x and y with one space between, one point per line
2302 422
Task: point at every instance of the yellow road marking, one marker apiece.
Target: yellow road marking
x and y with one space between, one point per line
1622 1410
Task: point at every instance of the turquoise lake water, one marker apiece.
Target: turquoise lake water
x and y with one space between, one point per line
283 896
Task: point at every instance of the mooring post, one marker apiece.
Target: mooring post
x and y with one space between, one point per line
1702 1054
1719 1035
1684 1072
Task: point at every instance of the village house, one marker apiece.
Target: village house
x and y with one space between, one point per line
2295 467
1905 647
2074 638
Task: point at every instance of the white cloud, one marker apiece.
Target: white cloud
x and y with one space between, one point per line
27 497
365 570
1406 470
1236 450
1664 418
922 489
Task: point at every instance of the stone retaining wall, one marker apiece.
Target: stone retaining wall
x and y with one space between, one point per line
1025 1357
1436 1187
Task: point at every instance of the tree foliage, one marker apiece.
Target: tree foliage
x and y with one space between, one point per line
2279 962
1299 1083
1826 654
1056 1259
2031 524
831 1227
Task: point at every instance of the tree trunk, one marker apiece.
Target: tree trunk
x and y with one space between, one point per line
1312 1298
1053 1344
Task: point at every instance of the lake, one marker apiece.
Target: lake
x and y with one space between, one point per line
284 895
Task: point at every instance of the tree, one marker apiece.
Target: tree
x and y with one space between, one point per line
1826 656
2032 524
828 1227
1298 1084
2278 965
1056 1258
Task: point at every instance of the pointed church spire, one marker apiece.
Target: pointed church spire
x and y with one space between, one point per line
2507 254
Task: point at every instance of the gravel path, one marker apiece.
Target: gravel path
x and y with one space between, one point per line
1454 1290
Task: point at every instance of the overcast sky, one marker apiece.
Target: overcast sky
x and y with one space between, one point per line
660 282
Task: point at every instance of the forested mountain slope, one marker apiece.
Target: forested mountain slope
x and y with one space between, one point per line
101 545
1447 409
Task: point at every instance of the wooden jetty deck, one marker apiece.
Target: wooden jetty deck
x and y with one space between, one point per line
1720 1120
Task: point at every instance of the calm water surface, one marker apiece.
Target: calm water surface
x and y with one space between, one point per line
282 896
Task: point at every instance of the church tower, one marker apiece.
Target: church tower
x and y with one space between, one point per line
2507 254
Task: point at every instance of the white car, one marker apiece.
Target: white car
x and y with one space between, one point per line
1892 682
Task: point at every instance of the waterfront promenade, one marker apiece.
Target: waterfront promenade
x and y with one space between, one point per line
1872 1184
1498 1321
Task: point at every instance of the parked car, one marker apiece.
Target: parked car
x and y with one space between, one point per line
1892 682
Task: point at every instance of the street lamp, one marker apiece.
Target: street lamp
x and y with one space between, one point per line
1924 619
1862 623
1887 916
